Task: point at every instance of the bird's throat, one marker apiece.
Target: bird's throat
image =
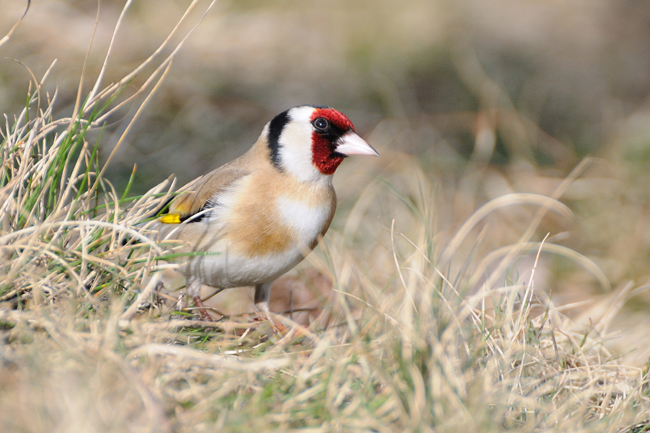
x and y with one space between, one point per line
324 156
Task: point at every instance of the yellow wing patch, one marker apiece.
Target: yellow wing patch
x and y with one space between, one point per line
180 207
170 218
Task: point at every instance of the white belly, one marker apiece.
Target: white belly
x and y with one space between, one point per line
227 270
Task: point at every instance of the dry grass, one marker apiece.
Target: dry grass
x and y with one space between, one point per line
434 325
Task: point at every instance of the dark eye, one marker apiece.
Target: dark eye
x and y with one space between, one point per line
321 124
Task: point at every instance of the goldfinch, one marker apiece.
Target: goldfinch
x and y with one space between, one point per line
254 218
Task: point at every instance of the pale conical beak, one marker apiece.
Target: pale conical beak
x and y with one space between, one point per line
352 144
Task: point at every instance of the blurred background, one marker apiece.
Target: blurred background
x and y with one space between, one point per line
474 98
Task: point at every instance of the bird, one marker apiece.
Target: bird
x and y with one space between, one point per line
256 217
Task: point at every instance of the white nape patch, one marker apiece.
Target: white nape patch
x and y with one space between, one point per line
295 146
306 220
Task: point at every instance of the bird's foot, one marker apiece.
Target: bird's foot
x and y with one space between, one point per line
263 314
203 312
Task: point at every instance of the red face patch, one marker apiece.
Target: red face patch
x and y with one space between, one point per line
324 155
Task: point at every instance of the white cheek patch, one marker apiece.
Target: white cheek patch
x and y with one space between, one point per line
296 153
306 220
295 142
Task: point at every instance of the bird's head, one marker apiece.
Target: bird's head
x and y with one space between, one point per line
310 142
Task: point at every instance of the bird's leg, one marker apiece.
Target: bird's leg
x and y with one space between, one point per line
262 297
194 290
